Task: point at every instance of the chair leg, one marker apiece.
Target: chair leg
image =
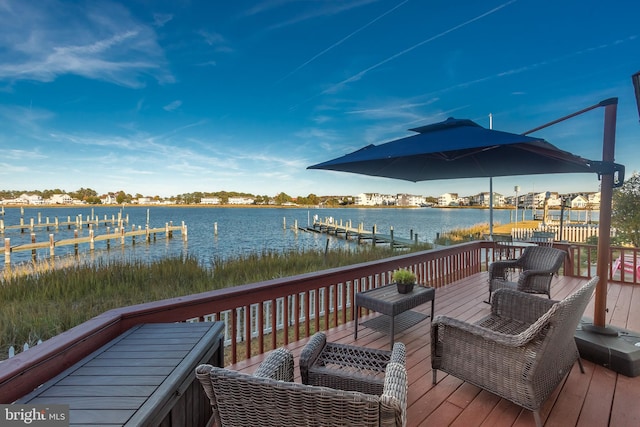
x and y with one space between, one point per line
435 376
580 361
537 418
489 300
581 365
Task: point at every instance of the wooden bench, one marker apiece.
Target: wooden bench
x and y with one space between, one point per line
143 377
628 264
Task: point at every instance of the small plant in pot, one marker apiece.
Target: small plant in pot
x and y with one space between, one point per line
405 280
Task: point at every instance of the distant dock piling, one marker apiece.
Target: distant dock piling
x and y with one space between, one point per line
330 226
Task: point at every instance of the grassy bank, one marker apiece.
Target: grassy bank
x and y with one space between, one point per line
477 231
46 303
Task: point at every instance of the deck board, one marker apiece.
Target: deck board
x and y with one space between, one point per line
600 397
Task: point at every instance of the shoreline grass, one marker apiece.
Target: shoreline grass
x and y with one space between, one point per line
45 303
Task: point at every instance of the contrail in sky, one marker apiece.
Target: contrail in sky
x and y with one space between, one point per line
358 76
341 41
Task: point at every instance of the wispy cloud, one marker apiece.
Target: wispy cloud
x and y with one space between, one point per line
172 106
339 42
532 67
329 9
9 169
97 41
160 19
336 87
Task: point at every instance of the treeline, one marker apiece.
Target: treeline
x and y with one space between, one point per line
85 194
280 199
90 196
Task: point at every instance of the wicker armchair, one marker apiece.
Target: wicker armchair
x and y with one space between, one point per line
347 367
537 266
543 238
269 397
521 351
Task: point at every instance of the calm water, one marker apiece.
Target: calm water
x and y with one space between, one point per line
240 230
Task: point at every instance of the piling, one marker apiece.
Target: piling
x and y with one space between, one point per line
33 251
7 251
52 246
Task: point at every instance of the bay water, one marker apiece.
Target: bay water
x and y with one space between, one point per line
239 230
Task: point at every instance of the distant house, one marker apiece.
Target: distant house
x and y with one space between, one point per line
108 199
409 200
375 199
594 199
61 199
31 199
447 199
579 202
210 201
240 201
483 199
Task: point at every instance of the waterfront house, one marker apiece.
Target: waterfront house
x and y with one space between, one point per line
447 199
579 202
60 199
210 201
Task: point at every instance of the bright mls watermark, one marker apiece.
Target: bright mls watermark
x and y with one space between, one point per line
34 415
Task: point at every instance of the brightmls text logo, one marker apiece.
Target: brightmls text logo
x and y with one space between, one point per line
34 415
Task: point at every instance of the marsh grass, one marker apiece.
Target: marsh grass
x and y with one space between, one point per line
48 301
461 235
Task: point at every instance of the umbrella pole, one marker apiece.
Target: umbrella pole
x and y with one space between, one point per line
606 192
491 208
491 190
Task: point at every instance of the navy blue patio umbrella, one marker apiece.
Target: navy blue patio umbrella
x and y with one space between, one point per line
459 149
463 149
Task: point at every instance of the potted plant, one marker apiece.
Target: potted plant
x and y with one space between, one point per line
404 280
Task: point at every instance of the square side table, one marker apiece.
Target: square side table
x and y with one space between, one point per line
395 307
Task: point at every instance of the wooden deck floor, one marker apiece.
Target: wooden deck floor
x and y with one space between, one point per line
600 397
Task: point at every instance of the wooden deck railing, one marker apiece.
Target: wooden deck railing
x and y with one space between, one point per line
294 307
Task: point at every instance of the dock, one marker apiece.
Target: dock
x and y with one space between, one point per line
77 222
118 234
331 227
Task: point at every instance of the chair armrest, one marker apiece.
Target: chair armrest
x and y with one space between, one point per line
497 268
310 354
518 305
202 374
531 273
468 333
278 365
393 401
398 354
505 263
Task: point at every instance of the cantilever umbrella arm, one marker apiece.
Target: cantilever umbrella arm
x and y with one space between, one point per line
607 171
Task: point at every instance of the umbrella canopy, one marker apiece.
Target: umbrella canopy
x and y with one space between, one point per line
458 149
463 149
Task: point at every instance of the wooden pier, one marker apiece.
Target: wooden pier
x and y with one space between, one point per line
56 224
149 234
346 230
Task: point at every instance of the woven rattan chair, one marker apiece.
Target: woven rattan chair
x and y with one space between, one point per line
537 266
270 398
502 246
543 238
521 351
347 367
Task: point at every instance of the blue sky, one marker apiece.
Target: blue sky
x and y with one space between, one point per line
169 97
